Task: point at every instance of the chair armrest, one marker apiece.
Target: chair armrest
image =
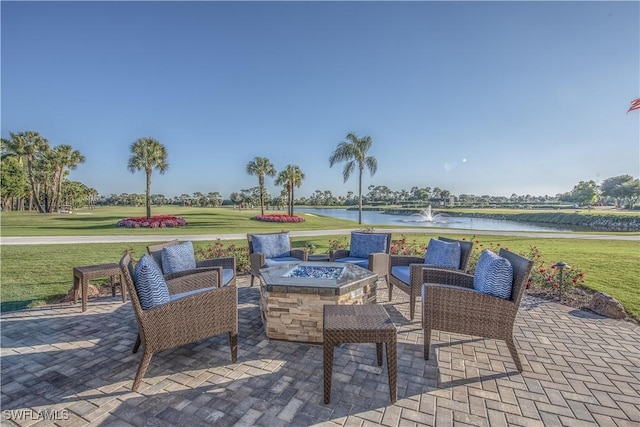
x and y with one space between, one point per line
379 263
396 260
447 277
256 260
194 279
337 254
215 310
224 262
469 303
300 253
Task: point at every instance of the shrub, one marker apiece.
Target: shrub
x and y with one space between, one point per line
279 218
157 221
544 276
220 250
339 243
402 247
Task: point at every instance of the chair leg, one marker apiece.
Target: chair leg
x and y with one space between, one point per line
514 352
427 342
412 306
233 343
136 346
379 352
144 364
390 286
392 368
327 359
252 277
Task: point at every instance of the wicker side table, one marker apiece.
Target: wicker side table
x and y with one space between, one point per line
82 275
359 324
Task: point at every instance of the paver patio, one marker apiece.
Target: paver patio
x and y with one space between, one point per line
579 369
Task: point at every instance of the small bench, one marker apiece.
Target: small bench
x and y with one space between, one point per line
82 275
368 323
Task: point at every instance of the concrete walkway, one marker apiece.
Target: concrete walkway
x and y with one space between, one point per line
42 240
60 366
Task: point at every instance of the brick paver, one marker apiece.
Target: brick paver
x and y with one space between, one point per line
63 367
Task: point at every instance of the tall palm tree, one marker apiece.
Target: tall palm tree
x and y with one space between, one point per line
290 177
261 167
148 154
63 157
30 146
354 152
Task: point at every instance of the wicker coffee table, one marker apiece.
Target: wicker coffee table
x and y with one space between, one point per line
82 275
359 324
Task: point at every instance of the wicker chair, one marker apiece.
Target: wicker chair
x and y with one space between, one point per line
200 315
451 304
378 262
226 266
417 266
257 260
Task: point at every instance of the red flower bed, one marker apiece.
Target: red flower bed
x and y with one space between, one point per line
279 218
158 221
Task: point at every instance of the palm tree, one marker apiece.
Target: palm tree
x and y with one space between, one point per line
27 145
62 156
354 152
148 154
290 177
261 167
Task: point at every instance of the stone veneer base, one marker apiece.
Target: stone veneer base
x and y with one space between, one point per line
298 317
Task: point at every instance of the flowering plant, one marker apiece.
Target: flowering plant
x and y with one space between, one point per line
157 221
219 250
402 247
279 218
339 243
543 276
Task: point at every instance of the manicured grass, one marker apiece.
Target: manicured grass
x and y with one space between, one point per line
102 221
40 273
32 274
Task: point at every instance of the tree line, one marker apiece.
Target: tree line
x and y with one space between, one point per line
34 177
33 174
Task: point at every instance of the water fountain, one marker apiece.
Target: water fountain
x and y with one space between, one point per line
426 215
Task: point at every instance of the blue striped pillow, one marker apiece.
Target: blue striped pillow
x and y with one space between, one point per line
443 254
149 283
493 275
178 257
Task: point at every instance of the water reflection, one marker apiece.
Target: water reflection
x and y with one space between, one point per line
437 221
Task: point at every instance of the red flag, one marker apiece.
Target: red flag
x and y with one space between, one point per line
635 105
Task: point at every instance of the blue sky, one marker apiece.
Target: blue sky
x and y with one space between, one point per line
472 97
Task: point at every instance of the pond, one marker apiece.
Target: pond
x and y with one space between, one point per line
425 219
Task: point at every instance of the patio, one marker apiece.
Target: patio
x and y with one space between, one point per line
64 367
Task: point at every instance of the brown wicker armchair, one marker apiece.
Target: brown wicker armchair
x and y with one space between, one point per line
258 260
226 266
416 266
192 318
377 261
451 304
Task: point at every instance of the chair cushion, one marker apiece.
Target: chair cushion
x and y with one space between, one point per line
493 275
149 283
273 262
443 254
362 262
363 244
272 245
227 275
178 257
402 273
188 293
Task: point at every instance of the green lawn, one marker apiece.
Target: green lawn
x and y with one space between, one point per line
32 274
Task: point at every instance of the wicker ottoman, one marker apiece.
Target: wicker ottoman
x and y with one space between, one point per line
359 324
